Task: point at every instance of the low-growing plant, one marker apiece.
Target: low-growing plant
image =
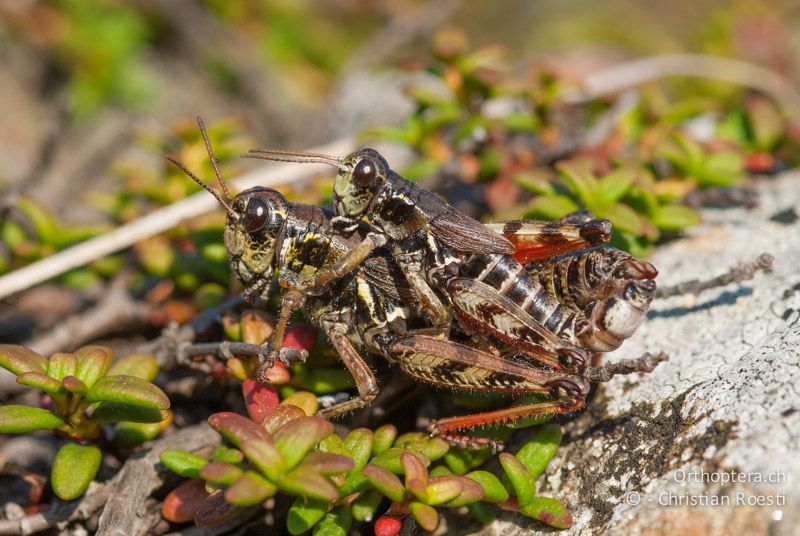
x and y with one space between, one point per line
84 391
340 480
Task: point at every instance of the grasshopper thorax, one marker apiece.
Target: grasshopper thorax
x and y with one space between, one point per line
361 177
252 232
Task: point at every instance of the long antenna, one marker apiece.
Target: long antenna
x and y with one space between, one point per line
213 158
205 186
295 156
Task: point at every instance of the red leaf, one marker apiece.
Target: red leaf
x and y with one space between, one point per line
184 502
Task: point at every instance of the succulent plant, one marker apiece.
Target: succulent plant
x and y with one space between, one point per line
337 481
83 391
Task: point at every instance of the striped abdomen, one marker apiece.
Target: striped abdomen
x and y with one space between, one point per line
510 279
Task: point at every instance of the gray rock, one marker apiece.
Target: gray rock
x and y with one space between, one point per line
667 452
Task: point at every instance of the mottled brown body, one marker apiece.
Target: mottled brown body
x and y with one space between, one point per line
368 306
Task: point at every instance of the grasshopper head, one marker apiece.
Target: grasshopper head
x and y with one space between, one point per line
361 176
252 229
253 225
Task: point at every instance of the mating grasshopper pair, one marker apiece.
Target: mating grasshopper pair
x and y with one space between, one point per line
392 287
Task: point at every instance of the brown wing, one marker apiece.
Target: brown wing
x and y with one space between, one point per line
537 240
458 231
387 276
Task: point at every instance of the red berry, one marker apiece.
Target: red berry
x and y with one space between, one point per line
388 526
300 336
260 399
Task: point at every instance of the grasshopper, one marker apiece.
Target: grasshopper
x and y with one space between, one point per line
472 268
366 310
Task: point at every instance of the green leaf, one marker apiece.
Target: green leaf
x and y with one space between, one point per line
390 459
297 437
623 218
74 468
335 523
551 207
107 412
359 444
16 419
19 359
326 463
432 447
522 482
183 463
131 434
426 516
93 363
538 452
304 514
462 460
578 177
365 506
615 185
722 169
263 454
61 365
416 475
353 483
142 366
385 481
537 183
41 381
128 390
46 226
493 489
442 489
548 511
676 217
250 489
220 474
307 483
481 511
383 438
440 470
224 453
471 492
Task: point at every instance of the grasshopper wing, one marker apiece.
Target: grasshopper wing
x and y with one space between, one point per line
461 233
537 240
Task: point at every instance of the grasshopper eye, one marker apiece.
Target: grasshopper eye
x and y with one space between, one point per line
255 215
365 172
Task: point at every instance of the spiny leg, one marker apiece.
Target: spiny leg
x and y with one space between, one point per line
446 428
455 366
291 300
366 384
737 274
481 306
